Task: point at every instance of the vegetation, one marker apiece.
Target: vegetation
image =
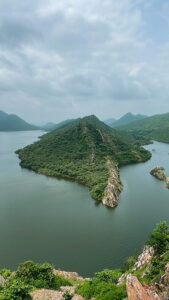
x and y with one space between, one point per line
151 128
14 123
102 288
28 277
79 151
104 285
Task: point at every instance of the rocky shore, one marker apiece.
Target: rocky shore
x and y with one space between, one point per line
158 172
114 186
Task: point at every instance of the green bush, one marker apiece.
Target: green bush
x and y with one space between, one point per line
67 296
159 238
5 273
40 275
109 275
101 290
15 290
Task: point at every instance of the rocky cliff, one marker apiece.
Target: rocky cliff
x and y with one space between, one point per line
114 186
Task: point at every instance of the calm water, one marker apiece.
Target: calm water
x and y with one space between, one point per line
44 219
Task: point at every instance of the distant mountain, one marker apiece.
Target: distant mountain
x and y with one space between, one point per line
52 126
14 123
155 127
109 122
85 150
127 118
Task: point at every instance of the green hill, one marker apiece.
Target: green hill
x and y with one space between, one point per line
152 128
127 118
14 123
82 151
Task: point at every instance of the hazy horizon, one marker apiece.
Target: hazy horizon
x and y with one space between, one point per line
64 60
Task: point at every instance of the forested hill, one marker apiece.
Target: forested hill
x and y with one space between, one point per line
80 151
155 127
126 119
14 123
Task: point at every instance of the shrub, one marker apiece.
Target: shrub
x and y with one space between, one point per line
159 238
40 275
15 290
109 275
5 273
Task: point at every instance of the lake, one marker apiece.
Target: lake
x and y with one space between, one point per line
46 219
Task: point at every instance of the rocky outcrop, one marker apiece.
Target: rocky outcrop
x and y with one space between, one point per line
136 291
167 182
144 258
2 281
44 294
114 186
68 275
158 172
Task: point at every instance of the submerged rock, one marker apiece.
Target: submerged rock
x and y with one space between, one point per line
158 172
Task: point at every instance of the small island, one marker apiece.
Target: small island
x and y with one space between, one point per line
158 172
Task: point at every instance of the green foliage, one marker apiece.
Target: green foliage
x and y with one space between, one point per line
128 264
101 290
5 273
15 290
109 275
151 128
79 151
28 276
159 238
67 296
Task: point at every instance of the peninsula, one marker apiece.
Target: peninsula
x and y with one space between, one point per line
87 151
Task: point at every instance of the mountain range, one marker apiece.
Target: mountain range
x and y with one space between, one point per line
152 128
14 123
127 118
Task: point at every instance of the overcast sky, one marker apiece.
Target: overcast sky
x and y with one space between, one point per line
70 58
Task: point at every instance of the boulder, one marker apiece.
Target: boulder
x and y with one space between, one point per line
136 291
2 281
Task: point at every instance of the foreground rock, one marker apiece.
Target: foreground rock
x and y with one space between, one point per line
68 275
158 172
44 294
114 186
2 281
144 258
136 291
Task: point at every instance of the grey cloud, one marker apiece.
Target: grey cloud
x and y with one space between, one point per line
72 53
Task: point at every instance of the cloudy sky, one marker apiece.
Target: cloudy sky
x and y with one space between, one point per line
70 58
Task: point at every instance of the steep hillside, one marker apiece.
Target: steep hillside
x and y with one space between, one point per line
127 118
155 127
14 123
87 151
